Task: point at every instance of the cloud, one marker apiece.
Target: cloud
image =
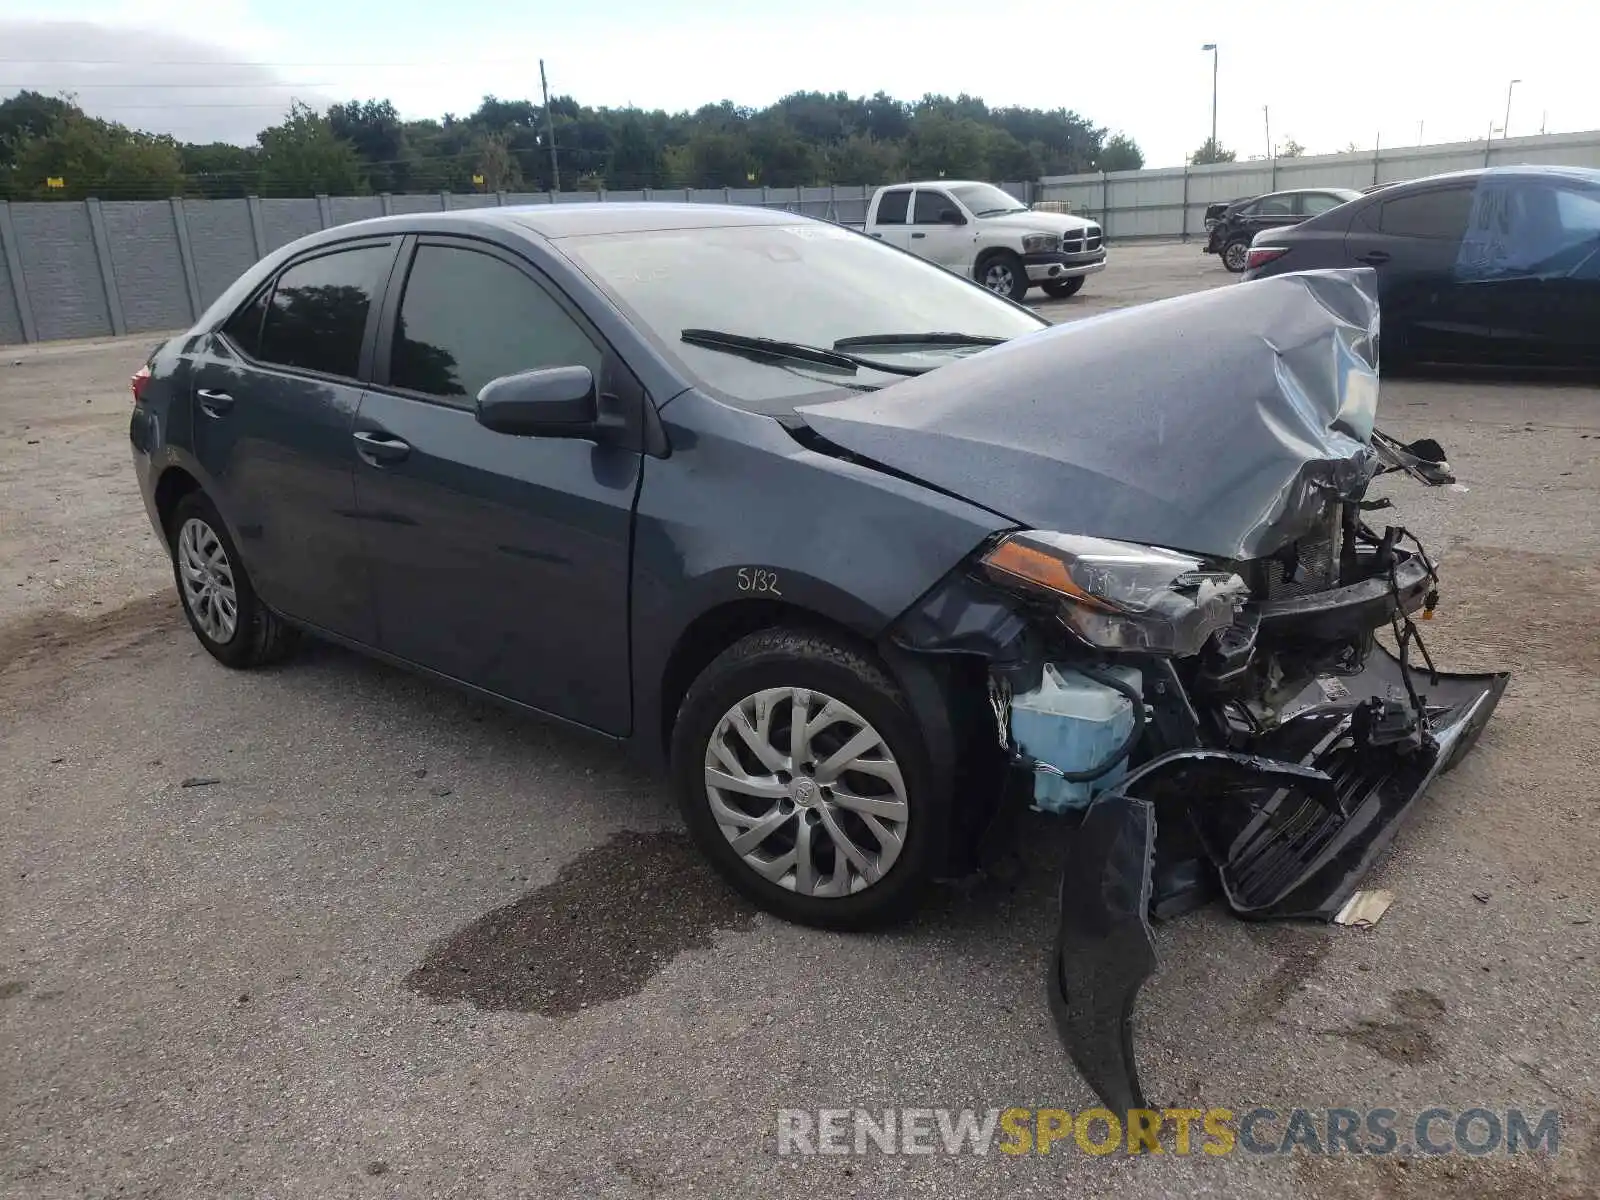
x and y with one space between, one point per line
149 79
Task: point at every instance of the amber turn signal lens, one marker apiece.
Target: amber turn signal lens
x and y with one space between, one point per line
1042 569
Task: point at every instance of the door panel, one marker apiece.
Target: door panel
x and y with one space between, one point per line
948 245
502 561
894 211
499 560
275 439
1412 242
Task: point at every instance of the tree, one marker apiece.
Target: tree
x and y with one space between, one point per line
942 146
28 115
1211 152
713 158
95 158
781 156
635 153
496 166
863 159
1291 149
1121 153
304 157
375 130
1351 148
218 170
364 145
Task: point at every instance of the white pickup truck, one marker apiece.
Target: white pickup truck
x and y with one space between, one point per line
988 235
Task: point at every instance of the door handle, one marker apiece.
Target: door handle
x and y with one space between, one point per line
1373 257
379 448
213 404
917 235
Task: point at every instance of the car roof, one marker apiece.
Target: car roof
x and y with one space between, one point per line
1523 171
556 221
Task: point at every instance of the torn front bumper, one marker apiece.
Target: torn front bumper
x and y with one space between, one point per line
1291 828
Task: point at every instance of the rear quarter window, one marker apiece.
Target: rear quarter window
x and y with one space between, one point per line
243 329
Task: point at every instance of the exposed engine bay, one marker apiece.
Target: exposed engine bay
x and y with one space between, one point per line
1210 699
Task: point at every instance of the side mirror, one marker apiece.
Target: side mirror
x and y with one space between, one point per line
551 402
949 216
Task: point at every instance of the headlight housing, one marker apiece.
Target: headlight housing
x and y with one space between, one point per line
1040 243
1119 595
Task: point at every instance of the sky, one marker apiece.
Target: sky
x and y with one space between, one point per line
1360 71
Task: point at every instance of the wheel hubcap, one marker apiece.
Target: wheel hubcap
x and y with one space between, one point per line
1237 255
208 587
998 279
806 791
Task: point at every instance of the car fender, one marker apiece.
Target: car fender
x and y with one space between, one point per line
742 514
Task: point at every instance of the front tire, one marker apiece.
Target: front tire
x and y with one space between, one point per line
1236 255
223 610
1060 289
803 776
1004 275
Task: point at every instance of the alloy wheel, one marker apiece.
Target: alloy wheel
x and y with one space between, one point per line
208 585
807 792
1237 254
998 278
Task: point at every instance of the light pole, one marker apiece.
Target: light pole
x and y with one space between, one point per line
1505 129
1212 46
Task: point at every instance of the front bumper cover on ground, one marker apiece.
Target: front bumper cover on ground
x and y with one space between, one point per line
1291 829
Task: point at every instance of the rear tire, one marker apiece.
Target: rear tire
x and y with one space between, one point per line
1236 255
885 801
1004 275
222 607
1060 289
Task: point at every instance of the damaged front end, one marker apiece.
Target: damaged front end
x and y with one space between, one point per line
1223 720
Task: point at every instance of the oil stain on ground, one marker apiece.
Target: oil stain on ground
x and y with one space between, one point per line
610 920
1302 954
1409 1035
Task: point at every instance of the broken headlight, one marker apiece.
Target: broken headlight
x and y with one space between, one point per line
1118 595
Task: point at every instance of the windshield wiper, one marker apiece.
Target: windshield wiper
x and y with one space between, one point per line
919 339
772 348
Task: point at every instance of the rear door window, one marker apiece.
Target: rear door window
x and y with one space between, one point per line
1275 206
317 317
468 317
893 206
1440 213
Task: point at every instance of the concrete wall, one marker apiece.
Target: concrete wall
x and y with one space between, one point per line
1171 201
76 269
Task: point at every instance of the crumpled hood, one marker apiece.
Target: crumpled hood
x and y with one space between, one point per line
1217 423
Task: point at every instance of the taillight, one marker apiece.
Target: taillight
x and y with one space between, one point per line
1260 256
137 383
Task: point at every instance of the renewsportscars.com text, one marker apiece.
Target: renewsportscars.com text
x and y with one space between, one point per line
1180 1131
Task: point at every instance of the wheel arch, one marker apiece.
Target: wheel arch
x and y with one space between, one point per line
174 484
924 686
988 254
714 630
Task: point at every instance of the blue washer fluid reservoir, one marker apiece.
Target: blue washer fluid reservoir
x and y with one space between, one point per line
1073 723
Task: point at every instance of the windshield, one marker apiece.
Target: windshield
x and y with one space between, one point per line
810 283
986 200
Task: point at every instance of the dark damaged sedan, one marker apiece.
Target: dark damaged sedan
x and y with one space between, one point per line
867 555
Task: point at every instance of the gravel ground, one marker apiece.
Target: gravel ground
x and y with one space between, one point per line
328 930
